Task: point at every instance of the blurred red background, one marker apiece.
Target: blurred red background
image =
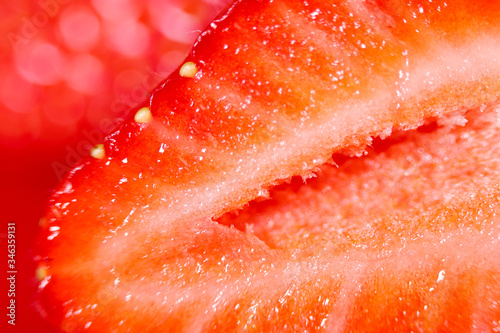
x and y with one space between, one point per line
68 70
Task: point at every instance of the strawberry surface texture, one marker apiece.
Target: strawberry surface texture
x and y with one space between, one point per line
312 166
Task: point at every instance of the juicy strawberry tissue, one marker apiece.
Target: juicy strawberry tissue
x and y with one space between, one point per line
312 166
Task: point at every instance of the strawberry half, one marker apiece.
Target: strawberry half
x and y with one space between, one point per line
402 239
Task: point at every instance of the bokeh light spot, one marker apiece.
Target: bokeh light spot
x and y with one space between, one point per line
118 10
131 38
80 28
17 94
173 22
86 74
41 63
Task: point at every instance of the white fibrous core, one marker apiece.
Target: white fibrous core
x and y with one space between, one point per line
188 69
143 115
98 152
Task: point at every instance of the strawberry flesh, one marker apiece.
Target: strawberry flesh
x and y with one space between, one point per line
131 241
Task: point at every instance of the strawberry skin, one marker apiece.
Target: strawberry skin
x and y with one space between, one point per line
272 89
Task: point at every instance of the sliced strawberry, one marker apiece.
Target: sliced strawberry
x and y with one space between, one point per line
414 226
131 240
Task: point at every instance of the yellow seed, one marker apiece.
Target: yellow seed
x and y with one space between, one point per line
98 152
188 69
41 272
42 223
143 115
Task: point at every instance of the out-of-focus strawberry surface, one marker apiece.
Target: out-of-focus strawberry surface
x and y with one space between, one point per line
68 70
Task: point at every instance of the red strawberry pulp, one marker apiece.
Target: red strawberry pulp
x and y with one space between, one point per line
400 239
409 235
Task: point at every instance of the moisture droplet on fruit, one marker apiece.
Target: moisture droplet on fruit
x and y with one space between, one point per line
143 115
188 69
98 152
